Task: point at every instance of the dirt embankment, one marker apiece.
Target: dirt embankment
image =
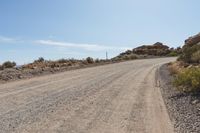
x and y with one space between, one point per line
43 68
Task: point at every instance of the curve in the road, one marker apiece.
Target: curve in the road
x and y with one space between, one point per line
115 98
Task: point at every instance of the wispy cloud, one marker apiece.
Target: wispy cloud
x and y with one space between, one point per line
89 47
4 39
84 46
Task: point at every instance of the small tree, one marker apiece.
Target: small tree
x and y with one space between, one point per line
8 64
1 67
89 60
40 59
62 61
97 60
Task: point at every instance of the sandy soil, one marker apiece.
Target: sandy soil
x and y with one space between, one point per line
116 98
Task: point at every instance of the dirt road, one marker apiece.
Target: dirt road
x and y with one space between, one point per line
116 98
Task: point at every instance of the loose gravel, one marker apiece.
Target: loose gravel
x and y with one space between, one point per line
184 109
115 98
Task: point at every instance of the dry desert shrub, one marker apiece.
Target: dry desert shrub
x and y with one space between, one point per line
188 80
196 57
176 67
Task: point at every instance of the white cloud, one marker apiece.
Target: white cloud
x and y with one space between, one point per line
4 39
89 47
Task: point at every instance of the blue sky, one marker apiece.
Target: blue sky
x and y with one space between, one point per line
57 29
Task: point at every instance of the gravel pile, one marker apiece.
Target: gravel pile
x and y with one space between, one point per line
10 74
13 74
184 109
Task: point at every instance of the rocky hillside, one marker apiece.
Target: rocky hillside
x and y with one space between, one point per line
191 50
183 98
147 51
187 68
157 49
193 40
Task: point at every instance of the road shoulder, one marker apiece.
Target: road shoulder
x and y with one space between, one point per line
183 109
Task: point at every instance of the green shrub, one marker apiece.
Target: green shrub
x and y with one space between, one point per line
126 57
8 64
188 52
188 80
173 53
97 61
128 52
196 57
73 61
89 60
133 56
62 61
40 59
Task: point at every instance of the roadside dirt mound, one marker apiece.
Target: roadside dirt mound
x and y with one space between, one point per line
38 68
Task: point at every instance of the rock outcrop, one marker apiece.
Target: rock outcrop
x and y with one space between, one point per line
157 49
192 40
148 51
191 50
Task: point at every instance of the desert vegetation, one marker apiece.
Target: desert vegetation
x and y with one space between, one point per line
187 68
188 80
41 66
191 54
9 70
7 64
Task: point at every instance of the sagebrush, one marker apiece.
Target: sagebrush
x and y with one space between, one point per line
188 80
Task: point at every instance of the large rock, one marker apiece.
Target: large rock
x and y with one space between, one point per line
190 51
157 49
193 40
146 51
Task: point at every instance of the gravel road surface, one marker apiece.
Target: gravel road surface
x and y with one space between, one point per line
116 98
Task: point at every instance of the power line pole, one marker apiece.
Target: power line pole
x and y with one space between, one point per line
106 55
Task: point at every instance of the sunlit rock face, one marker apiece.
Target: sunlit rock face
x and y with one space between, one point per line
193 40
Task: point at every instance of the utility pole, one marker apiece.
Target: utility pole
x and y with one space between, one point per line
106 55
